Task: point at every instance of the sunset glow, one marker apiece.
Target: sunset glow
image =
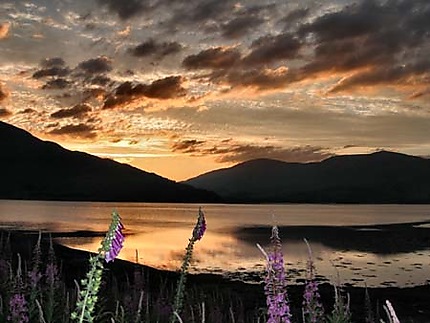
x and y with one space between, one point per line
183 87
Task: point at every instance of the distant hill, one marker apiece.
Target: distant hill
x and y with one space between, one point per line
35 169
381 177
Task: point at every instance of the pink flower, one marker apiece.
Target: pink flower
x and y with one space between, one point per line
116 241
275 287
200 228
18 309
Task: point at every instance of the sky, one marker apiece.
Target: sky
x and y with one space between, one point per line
180 88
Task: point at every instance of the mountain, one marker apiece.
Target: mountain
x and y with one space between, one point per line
381 177
35 169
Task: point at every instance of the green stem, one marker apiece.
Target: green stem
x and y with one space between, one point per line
177 307
89 289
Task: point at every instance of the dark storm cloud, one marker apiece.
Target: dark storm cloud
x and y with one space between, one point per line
197 13
294 17
351 21
51 71
229 66
77 111
167 88
126 9
269 49
240 26
228 151
55 66
261 79
101 80
213 58
97 65
384 75
386 39
156 49
56 84
76 130
4 112
112 101
374 43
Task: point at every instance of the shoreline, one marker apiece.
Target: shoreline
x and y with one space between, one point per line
410 303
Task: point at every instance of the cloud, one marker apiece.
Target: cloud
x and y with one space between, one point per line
198 13
55 66
388 75
97 65
52 71
56 84
294 17
420 94
213 58
4 30
53 62
155 49
187 146
76 130
242 24
378 42
4 113
351 21
241 153
101 80
3 93
268 49
27 110
230 67
228 151
260 79
125 9
77 111
166 88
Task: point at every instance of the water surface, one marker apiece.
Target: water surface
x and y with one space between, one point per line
346 239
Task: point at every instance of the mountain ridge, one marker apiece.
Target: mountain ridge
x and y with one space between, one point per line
42 170
380 177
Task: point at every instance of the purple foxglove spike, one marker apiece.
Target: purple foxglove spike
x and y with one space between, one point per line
116 242
200 228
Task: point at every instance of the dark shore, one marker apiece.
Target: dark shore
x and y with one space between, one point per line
411 304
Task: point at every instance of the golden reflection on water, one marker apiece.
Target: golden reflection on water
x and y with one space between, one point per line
160 233
223 253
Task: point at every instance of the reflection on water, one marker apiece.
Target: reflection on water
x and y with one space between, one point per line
160 232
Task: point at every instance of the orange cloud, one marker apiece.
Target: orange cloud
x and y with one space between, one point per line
4 30
3 93
4 112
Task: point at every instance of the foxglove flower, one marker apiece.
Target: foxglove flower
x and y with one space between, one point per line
197 234
200 228
275 288
109 250
115 239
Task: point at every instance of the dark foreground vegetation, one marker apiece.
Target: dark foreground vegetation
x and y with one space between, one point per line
47 276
